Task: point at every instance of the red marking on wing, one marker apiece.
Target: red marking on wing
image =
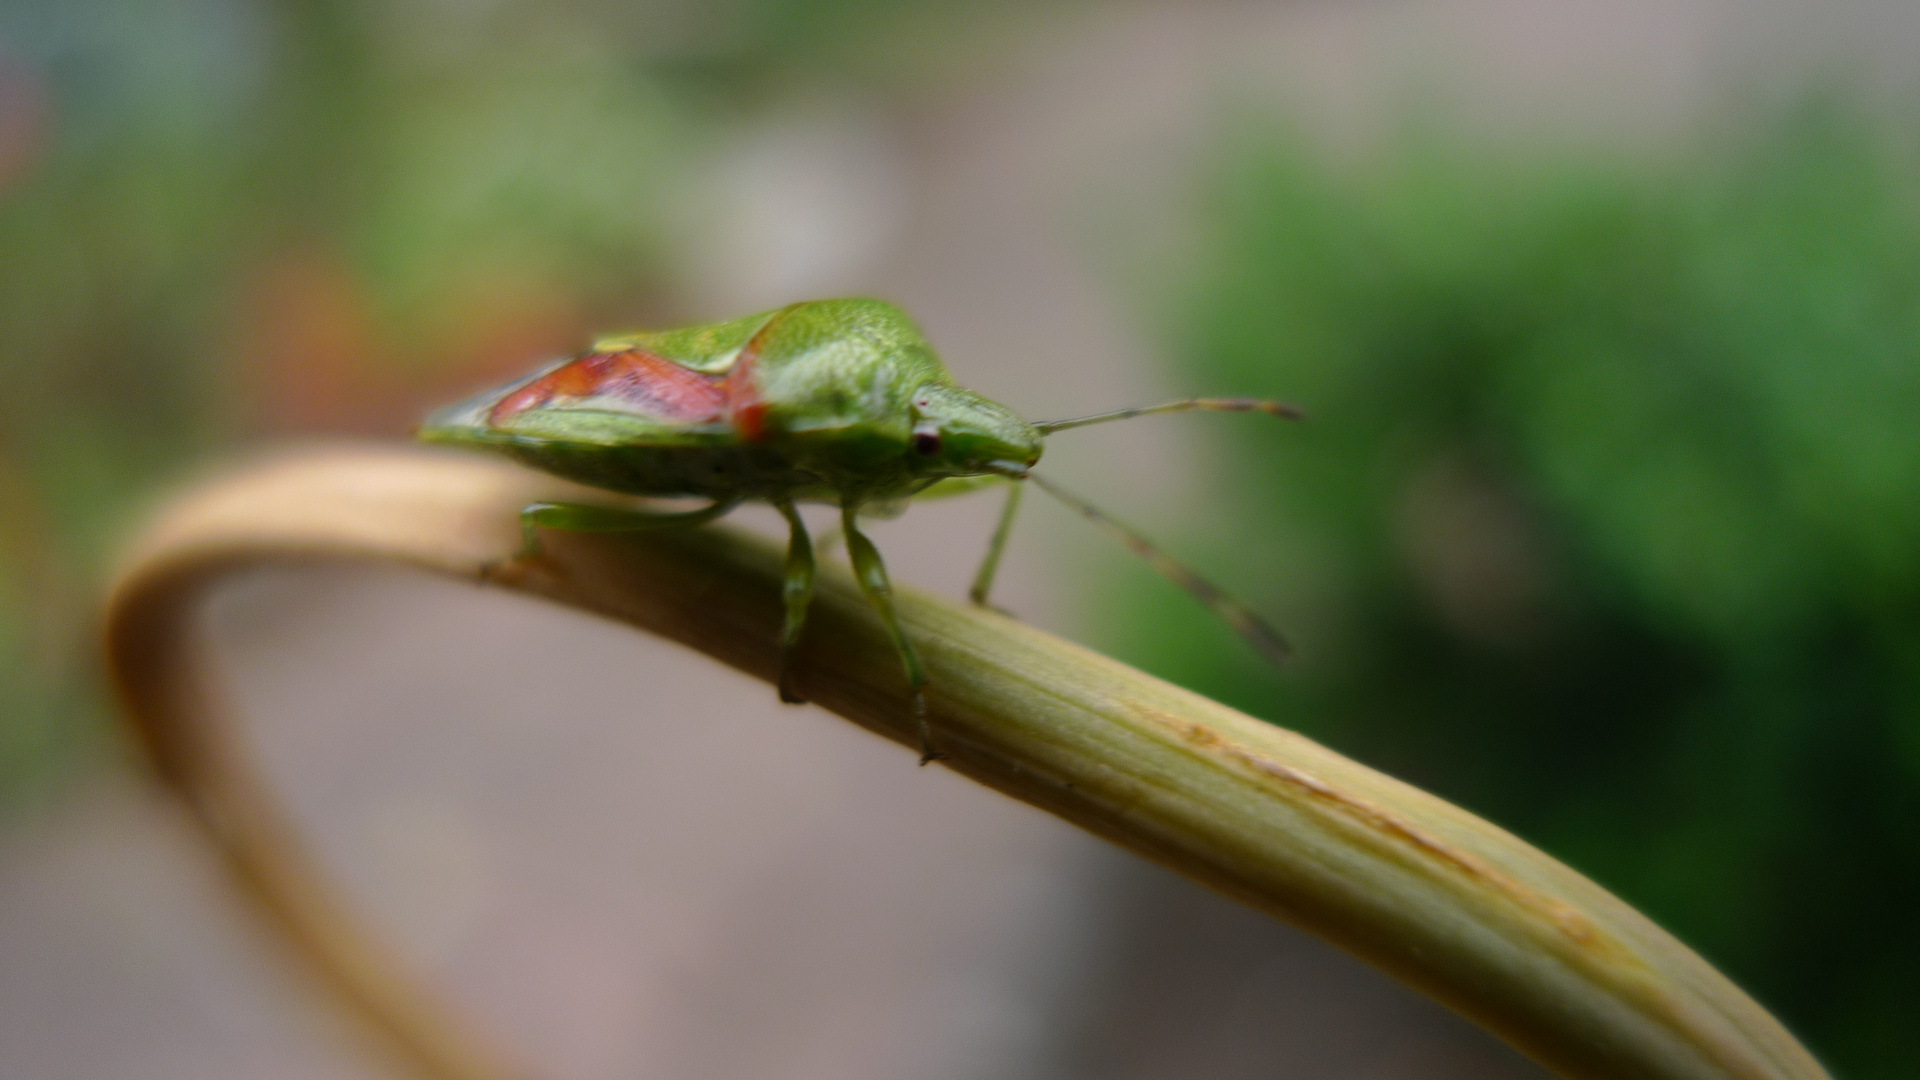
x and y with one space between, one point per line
746 409
650 385
750 420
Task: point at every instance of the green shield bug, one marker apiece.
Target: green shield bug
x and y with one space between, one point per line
831 401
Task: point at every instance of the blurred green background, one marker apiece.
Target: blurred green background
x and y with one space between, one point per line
1606 524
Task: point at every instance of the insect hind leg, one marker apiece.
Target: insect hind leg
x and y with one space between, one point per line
584 517
871 573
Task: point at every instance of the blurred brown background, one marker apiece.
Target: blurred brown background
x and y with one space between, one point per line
230 222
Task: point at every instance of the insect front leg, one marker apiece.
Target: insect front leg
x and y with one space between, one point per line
798 592
872 575
983 581
581 517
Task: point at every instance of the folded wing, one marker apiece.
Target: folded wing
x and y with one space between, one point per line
630 382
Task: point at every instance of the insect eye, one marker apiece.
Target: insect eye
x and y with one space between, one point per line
926 442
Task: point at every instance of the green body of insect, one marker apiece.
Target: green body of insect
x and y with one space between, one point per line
834 401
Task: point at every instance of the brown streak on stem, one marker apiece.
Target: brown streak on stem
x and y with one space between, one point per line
1561 916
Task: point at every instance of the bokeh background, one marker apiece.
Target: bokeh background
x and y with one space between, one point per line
1606 524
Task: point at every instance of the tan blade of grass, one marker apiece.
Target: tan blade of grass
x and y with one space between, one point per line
1454 906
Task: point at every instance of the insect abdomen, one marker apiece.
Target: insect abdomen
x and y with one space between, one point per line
715 471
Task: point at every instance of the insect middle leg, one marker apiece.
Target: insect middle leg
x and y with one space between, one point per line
872 575
581 517
798 593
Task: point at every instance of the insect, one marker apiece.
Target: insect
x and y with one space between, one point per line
840 402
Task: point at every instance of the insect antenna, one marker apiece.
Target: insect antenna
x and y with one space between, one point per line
1208 404
1235 614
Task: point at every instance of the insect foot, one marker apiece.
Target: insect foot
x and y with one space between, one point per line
928 752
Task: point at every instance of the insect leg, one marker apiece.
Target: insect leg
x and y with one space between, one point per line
983 580
1232 612
872 575
581 517
798 591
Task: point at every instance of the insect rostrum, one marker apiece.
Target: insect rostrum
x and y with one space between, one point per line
830 401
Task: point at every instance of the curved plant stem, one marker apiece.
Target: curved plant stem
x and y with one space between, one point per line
1421 889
